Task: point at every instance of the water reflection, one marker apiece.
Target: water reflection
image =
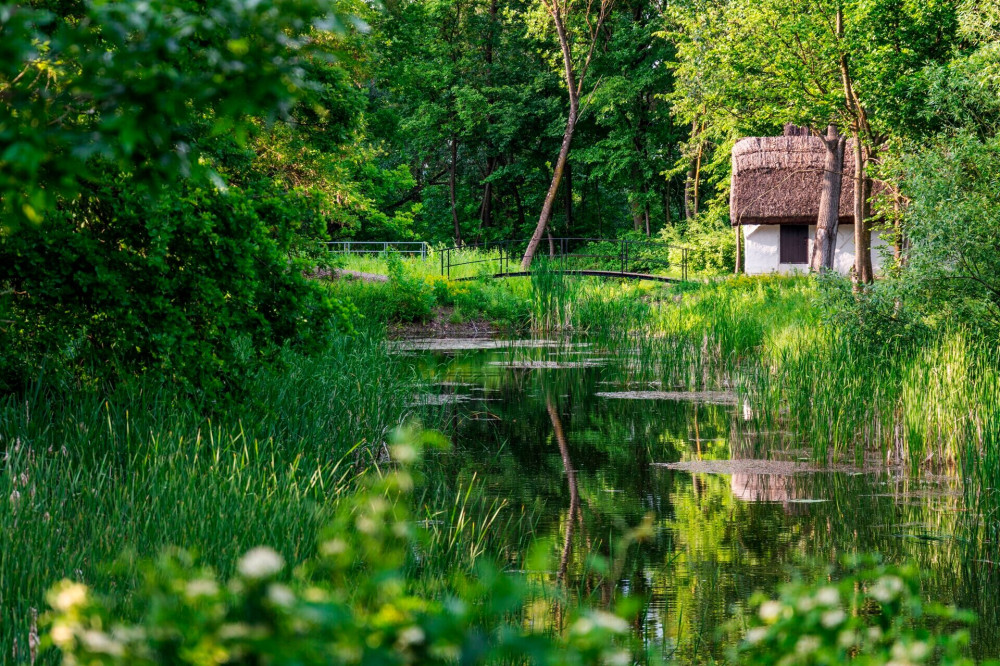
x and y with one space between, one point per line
544 436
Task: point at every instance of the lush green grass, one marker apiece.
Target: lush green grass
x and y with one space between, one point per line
92 481
804 379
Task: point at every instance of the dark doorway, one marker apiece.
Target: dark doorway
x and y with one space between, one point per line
794 244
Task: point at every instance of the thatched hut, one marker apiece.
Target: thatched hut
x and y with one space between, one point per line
776 183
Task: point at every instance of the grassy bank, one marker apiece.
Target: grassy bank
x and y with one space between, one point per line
806 372
808 377
93 482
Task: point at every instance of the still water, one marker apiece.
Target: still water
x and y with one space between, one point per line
575 450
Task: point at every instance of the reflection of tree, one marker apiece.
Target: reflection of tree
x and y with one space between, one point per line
574 492
716 543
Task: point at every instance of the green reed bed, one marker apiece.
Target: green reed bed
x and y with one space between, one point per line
92 482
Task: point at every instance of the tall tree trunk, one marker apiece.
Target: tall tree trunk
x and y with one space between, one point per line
665 196
451 189
486 207
897 225
695 196
863 272
645 206
571 118
574 85
688 182
568 194
829 201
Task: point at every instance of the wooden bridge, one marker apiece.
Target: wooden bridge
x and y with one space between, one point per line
600 257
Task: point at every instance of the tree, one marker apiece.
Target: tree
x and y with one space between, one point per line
584 21
828 218
140 229
752 66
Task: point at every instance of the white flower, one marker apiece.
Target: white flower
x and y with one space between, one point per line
756 635
616 658
202 587
582 627
404 453
280 595
411 636
828 596
97 641
69 596
832 618
609 621
15 498
887 588
61 633
260 562
770 611
333 547
807 644
366 525
910 654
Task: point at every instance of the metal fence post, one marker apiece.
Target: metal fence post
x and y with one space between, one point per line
442 263
449 263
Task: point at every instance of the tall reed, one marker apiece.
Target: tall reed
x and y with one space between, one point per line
89 482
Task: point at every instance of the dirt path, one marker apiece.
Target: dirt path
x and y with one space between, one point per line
350 275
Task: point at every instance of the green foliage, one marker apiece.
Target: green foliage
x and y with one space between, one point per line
94 482
873 615
169 285
351 604
124 249
412 297
710 240
951 224
874 317
116 83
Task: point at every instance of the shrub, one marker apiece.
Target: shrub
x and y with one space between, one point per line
710 243
166 284
873 615
874 316
352 604
414 299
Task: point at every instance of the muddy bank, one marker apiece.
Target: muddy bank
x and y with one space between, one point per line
442 326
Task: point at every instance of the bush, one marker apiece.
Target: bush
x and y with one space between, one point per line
168 284
876 317
352 604
873 615
710 242
414 299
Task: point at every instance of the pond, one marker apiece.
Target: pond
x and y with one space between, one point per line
575 448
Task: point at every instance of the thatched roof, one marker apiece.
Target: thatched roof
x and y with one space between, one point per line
777 180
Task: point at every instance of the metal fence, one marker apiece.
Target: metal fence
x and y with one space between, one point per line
596 255
380 247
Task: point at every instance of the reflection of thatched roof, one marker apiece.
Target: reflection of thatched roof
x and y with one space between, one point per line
777 180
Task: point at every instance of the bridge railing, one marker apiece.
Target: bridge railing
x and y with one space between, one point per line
618 256
380 247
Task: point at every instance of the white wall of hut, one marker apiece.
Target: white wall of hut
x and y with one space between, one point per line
762 242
